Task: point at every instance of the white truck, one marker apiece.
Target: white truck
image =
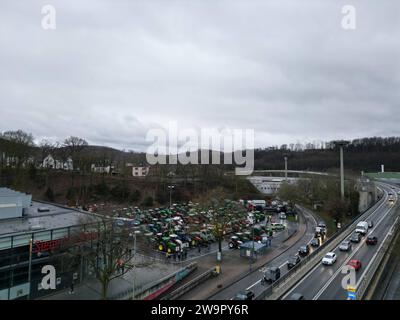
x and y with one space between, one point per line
362 227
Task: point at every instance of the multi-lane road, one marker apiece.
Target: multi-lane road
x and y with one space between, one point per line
252 281
325 282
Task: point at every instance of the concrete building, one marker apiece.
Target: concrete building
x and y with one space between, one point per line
269 185
46 226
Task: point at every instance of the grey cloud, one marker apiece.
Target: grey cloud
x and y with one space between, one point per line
115 69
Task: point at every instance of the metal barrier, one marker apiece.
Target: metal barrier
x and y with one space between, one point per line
190 285
283 284
158 286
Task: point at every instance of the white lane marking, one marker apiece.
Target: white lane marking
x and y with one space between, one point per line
348 258
284 264
318 265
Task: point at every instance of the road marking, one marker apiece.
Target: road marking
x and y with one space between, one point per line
348 258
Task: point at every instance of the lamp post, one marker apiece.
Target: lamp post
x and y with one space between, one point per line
134 265
341 144
285 157
170 187
30 267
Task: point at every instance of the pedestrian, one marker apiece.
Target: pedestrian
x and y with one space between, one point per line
199 249
71 291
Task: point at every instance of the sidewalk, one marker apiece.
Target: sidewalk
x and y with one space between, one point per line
234 267
91 289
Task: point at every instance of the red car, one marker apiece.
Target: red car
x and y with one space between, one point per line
356 264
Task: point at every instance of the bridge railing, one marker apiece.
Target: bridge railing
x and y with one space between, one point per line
287 281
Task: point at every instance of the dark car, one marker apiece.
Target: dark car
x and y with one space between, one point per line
244 295
355 237
370 224
296 296
270 275
372 240
293 261
315 242
304 250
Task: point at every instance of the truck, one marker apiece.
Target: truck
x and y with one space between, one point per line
362 227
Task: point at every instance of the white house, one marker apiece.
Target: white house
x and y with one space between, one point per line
102 169
140 171
51 163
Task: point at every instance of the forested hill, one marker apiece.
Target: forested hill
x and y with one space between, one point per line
362 154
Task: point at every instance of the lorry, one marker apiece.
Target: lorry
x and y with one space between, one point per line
362 227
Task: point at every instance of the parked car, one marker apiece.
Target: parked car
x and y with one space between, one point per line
293 261
356 264
345 246
370 224
372 240
277 226
296 296
270 275
355 237
329 259
315 242
282 215
304 250
244 295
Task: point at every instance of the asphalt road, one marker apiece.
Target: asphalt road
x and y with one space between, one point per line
252 281
325 282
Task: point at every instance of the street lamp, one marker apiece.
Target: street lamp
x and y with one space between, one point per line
171 187
341 144
134 265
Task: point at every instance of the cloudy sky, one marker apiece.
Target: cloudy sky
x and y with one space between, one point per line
112 70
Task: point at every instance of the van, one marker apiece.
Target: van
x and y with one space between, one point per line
362 227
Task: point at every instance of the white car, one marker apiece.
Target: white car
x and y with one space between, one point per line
329 259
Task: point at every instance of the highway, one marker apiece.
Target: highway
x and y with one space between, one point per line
252 281
325 282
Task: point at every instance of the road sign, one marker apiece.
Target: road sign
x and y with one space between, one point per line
351 296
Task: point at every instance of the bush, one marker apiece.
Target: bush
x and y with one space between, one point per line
120 192
148 201
135 196
49 194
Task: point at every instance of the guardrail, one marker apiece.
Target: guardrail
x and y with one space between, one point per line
287 281
376 261
157 287
190 285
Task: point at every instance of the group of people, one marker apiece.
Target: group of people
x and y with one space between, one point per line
177 256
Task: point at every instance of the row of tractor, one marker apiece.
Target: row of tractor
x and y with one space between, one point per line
184 226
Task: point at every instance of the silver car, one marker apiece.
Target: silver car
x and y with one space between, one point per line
345 246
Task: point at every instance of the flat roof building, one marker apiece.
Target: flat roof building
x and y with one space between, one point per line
46 225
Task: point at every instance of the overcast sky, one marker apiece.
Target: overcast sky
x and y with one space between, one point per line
112 70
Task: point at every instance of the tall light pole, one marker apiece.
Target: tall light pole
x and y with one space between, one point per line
341 144
135 232
171 187
285 157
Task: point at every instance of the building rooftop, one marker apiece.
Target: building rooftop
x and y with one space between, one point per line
34 220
